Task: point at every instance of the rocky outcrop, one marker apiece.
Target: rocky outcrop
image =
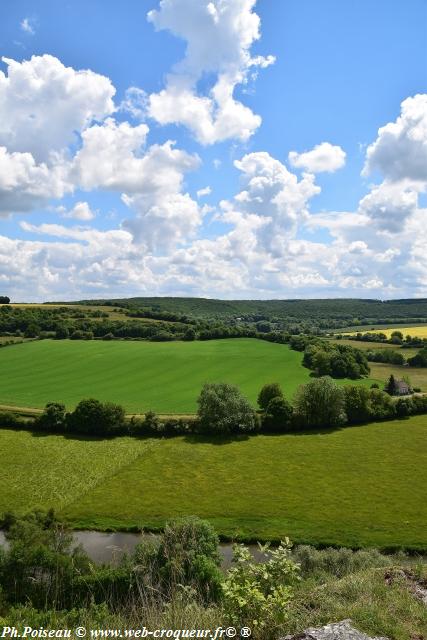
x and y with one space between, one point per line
417 586
335 631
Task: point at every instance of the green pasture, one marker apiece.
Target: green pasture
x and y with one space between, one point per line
360 486
164 377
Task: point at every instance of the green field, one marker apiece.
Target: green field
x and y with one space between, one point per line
417 375
356 486
165 377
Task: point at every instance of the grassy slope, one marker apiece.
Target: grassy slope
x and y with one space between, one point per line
357 486
165 377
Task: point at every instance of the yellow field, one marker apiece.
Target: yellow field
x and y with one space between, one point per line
417 332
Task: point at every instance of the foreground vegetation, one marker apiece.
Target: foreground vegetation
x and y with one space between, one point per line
175 582
358 486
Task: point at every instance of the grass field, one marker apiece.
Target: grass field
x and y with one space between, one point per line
165 377
356 486
417 376
373 346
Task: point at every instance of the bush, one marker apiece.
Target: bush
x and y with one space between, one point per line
188 554
320 403
278 416
404 407
381 405
419 360
258 594
337 562
152 424
267 393
81 335
53 418
96 418
12 421
40 562
223 410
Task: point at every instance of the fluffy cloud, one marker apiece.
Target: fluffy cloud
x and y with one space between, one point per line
400 150
43 103
272 194
80 211
389 206
25 185
323 157
57 135
113 157
162 220
219 36
109 156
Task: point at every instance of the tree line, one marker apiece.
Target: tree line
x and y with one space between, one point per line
224 411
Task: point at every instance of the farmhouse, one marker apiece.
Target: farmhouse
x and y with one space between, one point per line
402 388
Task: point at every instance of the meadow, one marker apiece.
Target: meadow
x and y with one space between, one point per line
163 377
360 486
417 376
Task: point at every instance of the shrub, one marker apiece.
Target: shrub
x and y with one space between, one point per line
152 423
258 594
278 415
53 418
12 421
40 562
419 360
189 335
81 335
188 554
337 562
404 407
96 418
267 393
381 405
223 410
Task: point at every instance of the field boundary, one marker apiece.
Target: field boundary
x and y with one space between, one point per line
33 412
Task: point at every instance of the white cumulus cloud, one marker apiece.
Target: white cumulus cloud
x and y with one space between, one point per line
219 36
25 185
323 157
80 211
43 103
400 150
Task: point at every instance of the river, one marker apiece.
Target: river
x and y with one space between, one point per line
109 548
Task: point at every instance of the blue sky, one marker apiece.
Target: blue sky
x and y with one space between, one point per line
341 71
